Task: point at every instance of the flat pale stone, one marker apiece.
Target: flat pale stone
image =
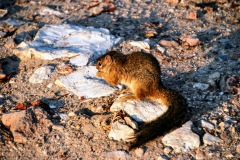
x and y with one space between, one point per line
210 139
41 74
44 11
207 125
60 41
140 44
84 83
140 111
118 154
182 139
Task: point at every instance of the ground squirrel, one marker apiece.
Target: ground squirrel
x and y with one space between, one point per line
141 73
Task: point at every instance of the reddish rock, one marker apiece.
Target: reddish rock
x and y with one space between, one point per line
190 41
222 1
173 1
28 123
208 9
192 15
168 43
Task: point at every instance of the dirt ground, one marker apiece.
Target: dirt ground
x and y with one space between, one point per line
217 27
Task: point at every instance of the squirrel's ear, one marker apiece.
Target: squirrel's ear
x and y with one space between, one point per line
108 59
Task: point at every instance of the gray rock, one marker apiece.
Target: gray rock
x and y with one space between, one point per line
41 74
121 131
207 125
141 111
85 83
2 34
201 86
59 41
210 139
13 22
215 76
182 139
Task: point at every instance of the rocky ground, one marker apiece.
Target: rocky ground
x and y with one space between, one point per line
196 42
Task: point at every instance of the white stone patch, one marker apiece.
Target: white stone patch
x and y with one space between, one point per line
41 74
80 60
59 41
48 11
140 44
85 83
141 111
182 139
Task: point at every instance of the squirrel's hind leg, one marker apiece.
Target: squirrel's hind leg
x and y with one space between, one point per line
139 95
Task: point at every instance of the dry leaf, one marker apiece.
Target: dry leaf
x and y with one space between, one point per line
149 35
111 9
20 106
82 98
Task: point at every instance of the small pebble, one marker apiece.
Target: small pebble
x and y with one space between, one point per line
71 114
139 152
167 150
57 127
200 155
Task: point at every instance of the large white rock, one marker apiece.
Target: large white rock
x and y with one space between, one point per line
182 139
141 111
59 41
85 83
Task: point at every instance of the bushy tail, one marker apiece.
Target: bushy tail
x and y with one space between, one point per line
174 117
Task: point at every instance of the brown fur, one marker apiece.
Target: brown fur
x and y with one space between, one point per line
141 73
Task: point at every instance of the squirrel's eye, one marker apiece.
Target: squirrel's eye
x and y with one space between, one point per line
99 63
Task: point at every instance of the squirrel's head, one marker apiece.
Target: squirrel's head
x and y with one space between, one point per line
104 62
